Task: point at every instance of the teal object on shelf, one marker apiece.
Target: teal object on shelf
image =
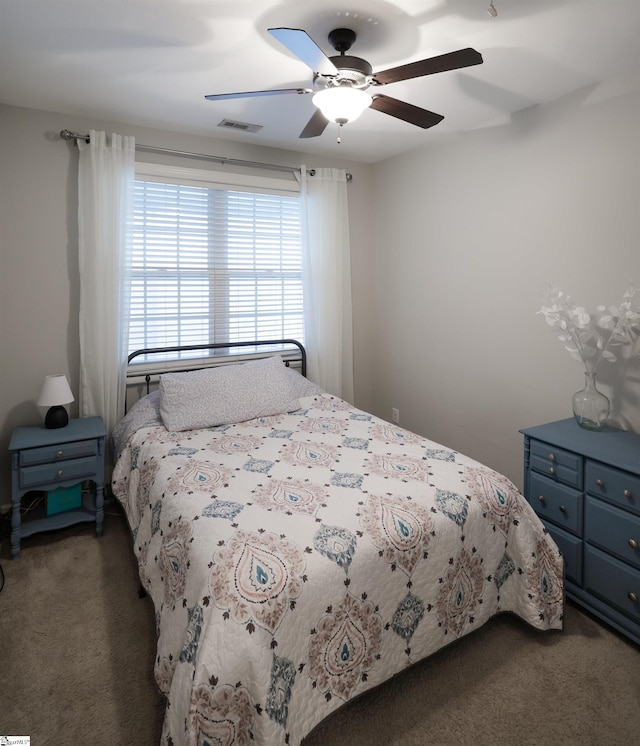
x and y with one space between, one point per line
64 498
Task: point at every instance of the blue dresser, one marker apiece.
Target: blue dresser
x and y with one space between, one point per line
585 486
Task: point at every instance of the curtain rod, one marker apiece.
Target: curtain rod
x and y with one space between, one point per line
69 135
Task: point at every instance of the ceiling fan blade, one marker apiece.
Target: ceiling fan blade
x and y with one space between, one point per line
251 94
299 43
441 63
315 126
407 112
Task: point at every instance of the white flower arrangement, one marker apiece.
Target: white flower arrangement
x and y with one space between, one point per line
588 338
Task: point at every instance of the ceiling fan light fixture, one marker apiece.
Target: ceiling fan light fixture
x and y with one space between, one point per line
342 104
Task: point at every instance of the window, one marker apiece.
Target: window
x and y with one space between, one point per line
214 262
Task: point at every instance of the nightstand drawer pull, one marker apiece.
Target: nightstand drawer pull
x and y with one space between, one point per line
552 457
552 470
633 597
627 493
59 473
59 454
541 498
633 543
600 483
563 509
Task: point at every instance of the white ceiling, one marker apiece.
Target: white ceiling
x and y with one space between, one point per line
151 62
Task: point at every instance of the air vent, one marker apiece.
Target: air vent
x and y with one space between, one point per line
244 126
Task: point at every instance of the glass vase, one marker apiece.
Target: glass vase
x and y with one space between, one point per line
590 406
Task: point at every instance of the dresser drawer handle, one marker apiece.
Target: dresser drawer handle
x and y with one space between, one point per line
627 493
563 510
600 483
59 454
541 498
59 474
633 543
552 470
552 457
633 597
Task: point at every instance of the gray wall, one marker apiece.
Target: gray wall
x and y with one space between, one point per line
471 231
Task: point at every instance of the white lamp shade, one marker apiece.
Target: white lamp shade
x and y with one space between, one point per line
342 104
55 391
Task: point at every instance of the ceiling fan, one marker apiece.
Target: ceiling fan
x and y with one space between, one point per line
341 82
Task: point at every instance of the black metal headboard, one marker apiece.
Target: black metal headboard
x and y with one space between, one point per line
297 356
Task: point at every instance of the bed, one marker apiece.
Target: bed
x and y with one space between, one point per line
300 551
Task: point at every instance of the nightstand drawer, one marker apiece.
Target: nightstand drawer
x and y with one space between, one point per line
62 471
612 580
556 503
571 548
556 463
614 485
613 530
47 454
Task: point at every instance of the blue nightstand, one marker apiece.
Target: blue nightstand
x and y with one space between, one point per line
53 463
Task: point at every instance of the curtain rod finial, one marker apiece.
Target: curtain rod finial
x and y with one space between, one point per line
69 135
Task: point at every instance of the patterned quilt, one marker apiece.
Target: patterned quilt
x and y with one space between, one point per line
296 561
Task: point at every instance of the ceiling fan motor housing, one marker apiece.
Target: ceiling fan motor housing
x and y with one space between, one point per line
352 70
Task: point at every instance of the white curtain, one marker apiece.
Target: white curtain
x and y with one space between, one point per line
327 280
106 176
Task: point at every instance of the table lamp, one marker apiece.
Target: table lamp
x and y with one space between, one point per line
55 393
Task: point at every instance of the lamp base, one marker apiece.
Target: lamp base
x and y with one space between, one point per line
56 417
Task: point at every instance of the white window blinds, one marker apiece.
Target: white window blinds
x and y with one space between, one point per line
214 264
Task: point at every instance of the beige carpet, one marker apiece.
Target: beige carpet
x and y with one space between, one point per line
77 648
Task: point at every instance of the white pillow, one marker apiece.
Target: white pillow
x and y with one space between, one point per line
300 385
230 393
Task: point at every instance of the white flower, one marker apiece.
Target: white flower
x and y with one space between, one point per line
588 339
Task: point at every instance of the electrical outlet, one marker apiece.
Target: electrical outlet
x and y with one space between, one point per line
395 415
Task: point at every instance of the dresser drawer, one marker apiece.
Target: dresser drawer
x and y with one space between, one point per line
63 471
556 503
613 530
614 485
47 454
556 463
571 548
613 581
